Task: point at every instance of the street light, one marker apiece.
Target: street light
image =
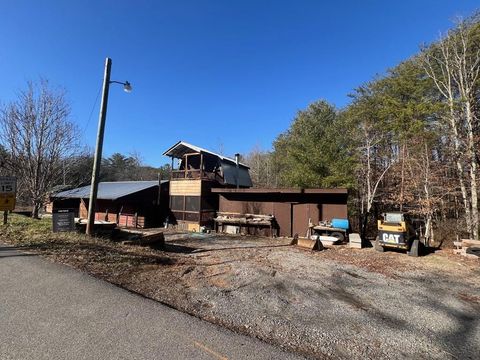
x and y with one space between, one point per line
127 87
98 149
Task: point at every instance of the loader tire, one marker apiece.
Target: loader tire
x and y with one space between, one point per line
338 235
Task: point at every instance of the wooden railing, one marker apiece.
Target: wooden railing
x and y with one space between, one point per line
195 175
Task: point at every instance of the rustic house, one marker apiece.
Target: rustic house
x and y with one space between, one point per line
127 203
192 202
280 212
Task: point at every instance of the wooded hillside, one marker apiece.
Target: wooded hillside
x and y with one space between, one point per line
408 140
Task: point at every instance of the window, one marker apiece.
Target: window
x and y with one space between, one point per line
176 202
192 203
395 218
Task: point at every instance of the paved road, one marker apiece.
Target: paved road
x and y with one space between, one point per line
49 311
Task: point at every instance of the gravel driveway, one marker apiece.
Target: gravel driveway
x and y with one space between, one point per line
340 303
326 304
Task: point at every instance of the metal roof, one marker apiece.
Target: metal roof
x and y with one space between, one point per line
341 191
230 174
108 190
181 148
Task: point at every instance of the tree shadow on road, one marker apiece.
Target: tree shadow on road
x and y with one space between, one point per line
104 253
13 251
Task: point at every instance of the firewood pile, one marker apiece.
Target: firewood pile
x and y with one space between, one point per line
468 248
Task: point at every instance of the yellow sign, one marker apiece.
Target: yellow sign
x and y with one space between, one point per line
7 202
8 189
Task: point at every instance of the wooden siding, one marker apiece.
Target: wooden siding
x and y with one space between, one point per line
128 220
301 214
291 211
331 211
186 187
143 204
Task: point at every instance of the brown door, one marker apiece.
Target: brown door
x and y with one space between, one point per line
301 213
300 219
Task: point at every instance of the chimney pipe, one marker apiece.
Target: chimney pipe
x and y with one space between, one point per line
237 156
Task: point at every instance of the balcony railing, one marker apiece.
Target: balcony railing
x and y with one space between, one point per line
195 174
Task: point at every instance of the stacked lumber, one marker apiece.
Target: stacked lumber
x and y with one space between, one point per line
463 246
244 219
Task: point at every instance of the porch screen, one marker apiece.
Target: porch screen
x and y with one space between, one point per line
176 202
192 203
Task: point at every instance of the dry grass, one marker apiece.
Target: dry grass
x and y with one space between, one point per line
96 255
25 231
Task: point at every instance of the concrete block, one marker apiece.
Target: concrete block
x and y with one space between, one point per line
355 241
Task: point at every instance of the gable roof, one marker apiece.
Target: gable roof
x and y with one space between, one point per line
108 190
181 148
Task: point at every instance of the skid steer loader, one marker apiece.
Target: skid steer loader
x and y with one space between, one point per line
397 230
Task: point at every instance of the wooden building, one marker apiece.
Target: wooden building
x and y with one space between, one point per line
127 203
192 203
289 209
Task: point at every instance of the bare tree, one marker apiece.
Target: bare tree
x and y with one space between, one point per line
38 136
454 66
372 170
262 169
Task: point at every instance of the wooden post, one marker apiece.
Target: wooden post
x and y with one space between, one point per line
159 188
291 219
5 217
136 220
201 165
186 165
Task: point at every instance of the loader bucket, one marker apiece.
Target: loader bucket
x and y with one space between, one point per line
308 244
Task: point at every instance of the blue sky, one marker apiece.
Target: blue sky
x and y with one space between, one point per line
224 75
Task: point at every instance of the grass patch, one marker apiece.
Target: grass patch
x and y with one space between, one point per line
25 231
93 254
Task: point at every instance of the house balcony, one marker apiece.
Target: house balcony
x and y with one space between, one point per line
195 174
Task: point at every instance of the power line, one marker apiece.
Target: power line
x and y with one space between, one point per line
93 108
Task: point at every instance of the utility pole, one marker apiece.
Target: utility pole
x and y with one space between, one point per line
98 150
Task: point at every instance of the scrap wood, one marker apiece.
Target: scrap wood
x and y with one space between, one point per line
247 219
144 240
468 242
466 248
